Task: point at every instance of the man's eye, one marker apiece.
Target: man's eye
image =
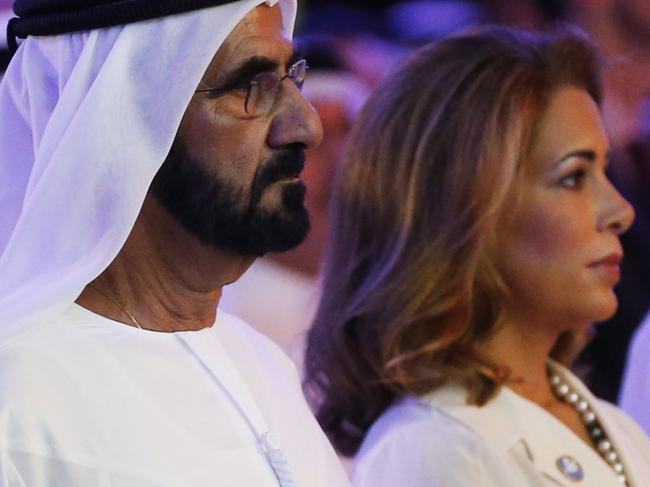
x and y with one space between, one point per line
242 85
575 180
239 85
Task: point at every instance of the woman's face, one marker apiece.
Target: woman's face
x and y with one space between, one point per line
559 247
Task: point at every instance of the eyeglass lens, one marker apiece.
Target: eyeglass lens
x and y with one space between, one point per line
264 88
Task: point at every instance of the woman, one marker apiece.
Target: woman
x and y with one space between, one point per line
477 239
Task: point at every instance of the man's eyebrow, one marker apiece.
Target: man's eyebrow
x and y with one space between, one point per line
246 70
250 67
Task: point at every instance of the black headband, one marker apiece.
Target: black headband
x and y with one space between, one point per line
53 17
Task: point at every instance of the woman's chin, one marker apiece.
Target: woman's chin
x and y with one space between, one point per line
606 308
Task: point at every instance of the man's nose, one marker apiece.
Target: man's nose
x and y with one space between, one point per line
294 120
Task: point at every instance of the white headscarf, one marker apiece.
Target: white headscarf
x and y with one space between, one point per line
86 120
5 15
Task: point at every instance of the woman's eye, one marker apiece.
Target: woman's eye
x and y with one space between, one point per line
575 180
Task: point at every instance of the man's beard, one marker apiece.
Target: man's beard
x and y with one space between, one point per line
211 209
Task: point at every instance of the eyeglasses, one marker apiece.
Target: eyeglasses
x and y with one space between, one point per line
263 88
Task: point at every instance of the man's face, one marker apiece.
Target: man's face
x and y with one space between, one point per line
231 177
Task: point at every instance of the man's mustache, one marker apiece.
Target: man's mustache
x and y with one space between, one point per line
285 163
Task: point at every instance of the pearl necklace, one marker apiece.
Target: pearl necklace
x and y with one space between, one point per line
565 392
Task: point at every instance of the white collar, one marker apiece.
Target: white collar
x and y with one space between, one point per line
511 423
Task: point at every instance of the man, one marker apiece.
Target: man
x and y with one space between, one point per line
115 367
279 293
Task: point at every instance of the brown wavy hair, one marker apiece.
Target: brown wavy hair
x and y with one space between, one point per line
409 283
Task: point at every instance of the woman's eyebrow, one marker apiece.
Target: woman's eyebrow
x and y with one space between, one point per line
587 154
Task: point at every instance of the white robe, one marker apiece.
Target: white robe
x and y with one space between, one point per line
86 401
276 301
439 441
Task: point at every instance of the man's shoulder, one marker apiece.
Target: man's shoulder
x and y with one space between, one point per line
55 337
41 347
41 379
236 334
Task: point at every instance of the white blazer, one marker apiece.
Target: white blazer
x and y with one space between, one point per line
438 440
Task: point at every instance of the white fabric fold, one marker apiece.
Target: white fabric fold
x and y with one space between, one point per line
86 120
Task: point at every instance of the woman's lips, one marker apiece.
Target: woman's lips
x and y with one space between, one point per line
611 259
609 265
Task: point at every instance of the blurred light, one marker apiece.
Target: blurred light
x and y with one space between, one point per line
429 20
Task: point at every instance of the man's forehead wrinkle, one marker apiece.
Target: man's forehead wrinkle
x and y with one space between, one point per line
275 47
259 33
279 53
262 21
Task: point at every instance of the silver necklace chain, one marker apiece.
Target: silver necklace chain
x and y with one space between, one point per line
602 444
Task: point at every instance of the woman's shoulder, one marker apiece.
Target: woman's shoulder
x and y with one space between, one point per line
410 415
400 446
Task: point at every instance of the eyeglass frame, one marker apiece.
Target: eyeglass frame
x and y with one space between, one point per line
292 72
